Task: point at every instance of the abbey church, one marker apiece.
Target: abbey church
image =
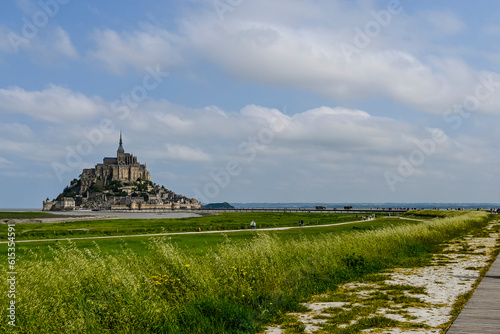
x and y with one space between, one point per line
123 168
120 183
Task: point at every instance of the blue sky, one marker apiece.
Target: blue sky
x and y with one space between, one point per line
254 101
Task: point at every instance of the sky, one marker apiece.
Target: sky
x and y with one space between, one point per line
254 101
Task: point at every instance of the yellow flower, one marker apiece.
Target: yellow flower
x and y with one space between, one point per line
242 295
187 265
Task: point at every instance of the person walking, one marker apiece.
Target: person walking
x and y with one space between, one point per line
253 225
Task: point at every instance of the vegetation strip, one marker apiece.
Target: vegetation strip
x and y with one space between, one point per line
240 289
405 300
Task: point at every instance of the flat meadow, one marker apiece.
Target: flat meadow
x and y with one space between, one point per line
236 282
111 227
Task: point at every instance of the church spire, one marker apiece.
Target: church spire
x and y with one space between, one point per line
120 147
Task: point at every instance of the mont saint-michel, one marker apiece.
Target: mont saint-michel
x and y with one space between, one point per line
118 183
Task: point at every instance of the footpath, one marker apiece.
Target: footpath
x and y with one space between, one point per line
481 314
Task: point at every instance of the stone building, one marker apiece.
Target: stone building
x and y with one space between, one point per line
124 167
65 204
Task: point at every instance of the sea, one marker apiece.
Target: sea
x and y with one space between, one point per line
423 206
440 206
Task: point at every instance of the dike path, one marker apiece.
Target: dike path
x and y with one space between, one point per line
481 314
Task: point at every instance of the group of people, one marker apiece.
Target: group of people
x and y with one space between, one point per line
253 224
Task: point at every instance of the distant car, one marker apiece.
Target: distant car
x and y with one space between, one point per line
321 208
347 207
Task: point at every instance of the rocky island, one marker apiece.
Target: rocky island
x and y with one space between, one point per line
118 183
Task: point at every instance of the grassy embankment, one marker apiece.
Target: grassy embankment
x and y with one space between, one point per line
236 290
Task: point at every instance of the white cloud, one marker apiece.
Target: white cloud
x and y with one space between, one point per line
145 47
325 149
16 130
319 135
54 104
185 153
62 43
307 54
287 57
49 45
301 47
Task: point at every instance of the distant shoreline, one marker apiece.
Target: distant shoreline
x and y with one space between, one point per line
299 205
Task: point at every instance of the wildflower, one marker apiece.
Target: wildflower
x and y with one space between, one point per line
187 265
242 295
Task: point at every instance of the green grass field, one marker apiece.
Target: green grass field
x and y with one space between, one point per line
210 283
226 221
198 244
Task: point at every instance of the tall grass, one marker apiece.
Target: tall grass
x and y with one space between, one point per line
236 290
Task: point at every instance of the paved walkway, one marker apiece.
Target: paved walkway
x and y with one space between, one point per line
482 312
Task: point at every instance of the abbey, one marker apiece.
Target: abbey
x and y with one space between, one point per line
120 183
123 168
